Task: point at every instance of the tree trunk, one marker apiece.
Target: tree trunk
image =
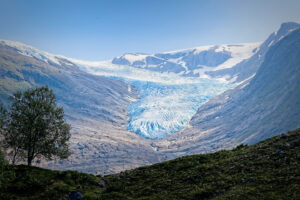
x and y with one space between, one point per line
29 160
14 158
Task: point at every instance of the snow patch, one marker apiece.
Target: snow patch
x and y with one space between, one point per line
135 57
29 51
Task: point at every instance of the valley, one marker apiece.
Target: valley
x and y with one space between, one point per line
139 109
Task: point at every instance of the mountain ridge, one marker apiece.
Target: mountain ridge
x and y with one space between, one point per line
260 108
248 67
96 108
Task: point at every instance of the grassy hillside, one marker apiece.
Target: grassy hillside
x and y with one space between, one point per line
267 170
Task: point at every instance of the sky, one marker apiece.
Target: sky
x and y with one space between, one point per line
103 29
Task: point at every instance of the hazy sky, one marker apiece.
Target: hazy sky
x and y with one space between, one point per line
103 29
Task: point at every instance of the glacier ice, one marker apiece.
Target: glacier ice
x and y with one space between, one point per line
167 101
164 109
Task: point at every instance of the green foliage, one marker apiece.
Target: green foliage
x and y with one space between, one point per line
2 160
2 164
35 126
24 182
3 116
267 170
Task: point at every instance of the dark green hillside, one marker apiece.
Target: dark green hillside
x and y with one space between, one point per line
23 182
267 170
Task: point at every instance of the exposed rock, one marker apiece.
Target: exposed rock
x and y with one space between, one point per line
74 195
102 183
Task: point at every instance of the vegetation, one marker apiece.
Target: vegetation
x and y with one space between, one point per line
2 164
267 170
35 127
27 182
2 155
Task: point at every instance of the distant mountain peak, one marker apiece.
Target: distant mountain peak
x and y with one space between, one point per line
33 52
192 62
286 28
288 25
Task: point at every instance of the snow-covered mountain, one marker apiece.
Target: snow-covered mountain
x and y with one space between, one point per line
247 68
168 97
194 62
159 97
266 105
171 85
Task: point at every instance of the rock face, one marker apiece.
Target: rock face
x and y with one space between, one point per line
248 67
258 109
74 195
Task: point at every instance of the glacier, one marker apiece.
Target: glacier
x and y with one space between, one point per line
171 85
164 109
168 96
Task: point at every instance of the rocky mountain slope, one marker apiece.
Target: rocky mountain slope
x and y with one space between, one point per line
260 108
248 67
95 106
